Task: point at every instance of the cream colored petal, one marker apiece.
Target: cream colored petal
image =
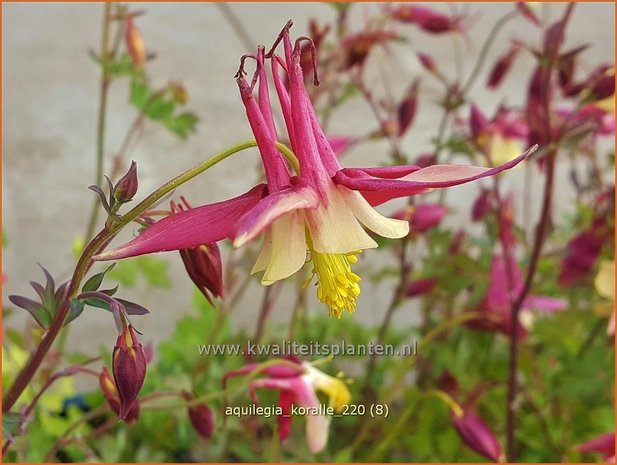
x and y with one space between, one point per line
502 149
335 229
317 432
288 249
263 258
605 279
373 220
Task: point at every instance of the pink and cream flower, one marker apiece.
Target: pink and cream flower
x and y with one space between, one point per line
320 211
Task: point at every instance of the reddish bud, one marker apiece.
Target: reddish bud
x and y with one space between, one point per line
110 392
407 108
501 67
478 124
134 43
428 62
425 159
203 264
126 187
478 436
481 206
525 10
448 383
357 47
426 19
201 417
129 368
427 216
603 83
604 444
421 286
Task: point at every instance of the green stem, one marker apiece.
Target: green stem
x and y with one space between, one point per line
100 131
97 244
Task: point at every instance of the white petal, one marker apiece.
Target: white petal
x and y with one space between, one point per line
335 229
375 221
288 249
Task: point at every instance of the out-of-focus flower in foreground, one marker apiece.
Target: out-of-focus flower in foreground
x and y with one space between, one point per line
478 436
603 444
298 385
427 19
319 211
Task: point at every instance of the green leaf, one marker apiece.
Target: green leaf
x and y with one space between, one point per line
159 108
77 307
182 124
11 424
95 281
140 93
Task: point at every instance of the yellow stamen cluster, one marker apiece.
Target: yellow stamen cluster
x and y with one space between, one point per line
337 285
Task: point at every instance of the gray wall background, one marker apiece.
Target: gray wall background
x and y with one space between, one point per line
50 89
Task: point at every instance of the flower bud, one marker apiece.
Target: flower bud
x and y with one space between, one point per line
426 19
421 286
501 67
129 368
426 216
201 417
604 444
428 62
110 392
407 108
203 264
126 187
134 43
478 436
481 206
526 11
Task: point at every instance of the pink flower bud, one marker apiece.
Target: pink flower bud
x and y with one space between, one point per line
110 392
203 263
481 206
201 417
525 10
129 368
501 67
478 124
427 216
478 436
134 43
426 19
603 85
428 62
357 47
126 187
604 444
421 286
407 108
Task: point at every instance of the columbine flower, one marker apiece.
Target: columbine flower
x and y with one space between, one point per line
496 306
499 139
299 386
320 211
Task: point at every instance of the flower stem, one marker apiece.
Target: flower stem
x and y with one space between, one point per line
96 245
541 233
102 116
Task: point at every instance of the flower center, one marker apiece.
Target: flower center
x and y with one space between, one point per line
337 285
